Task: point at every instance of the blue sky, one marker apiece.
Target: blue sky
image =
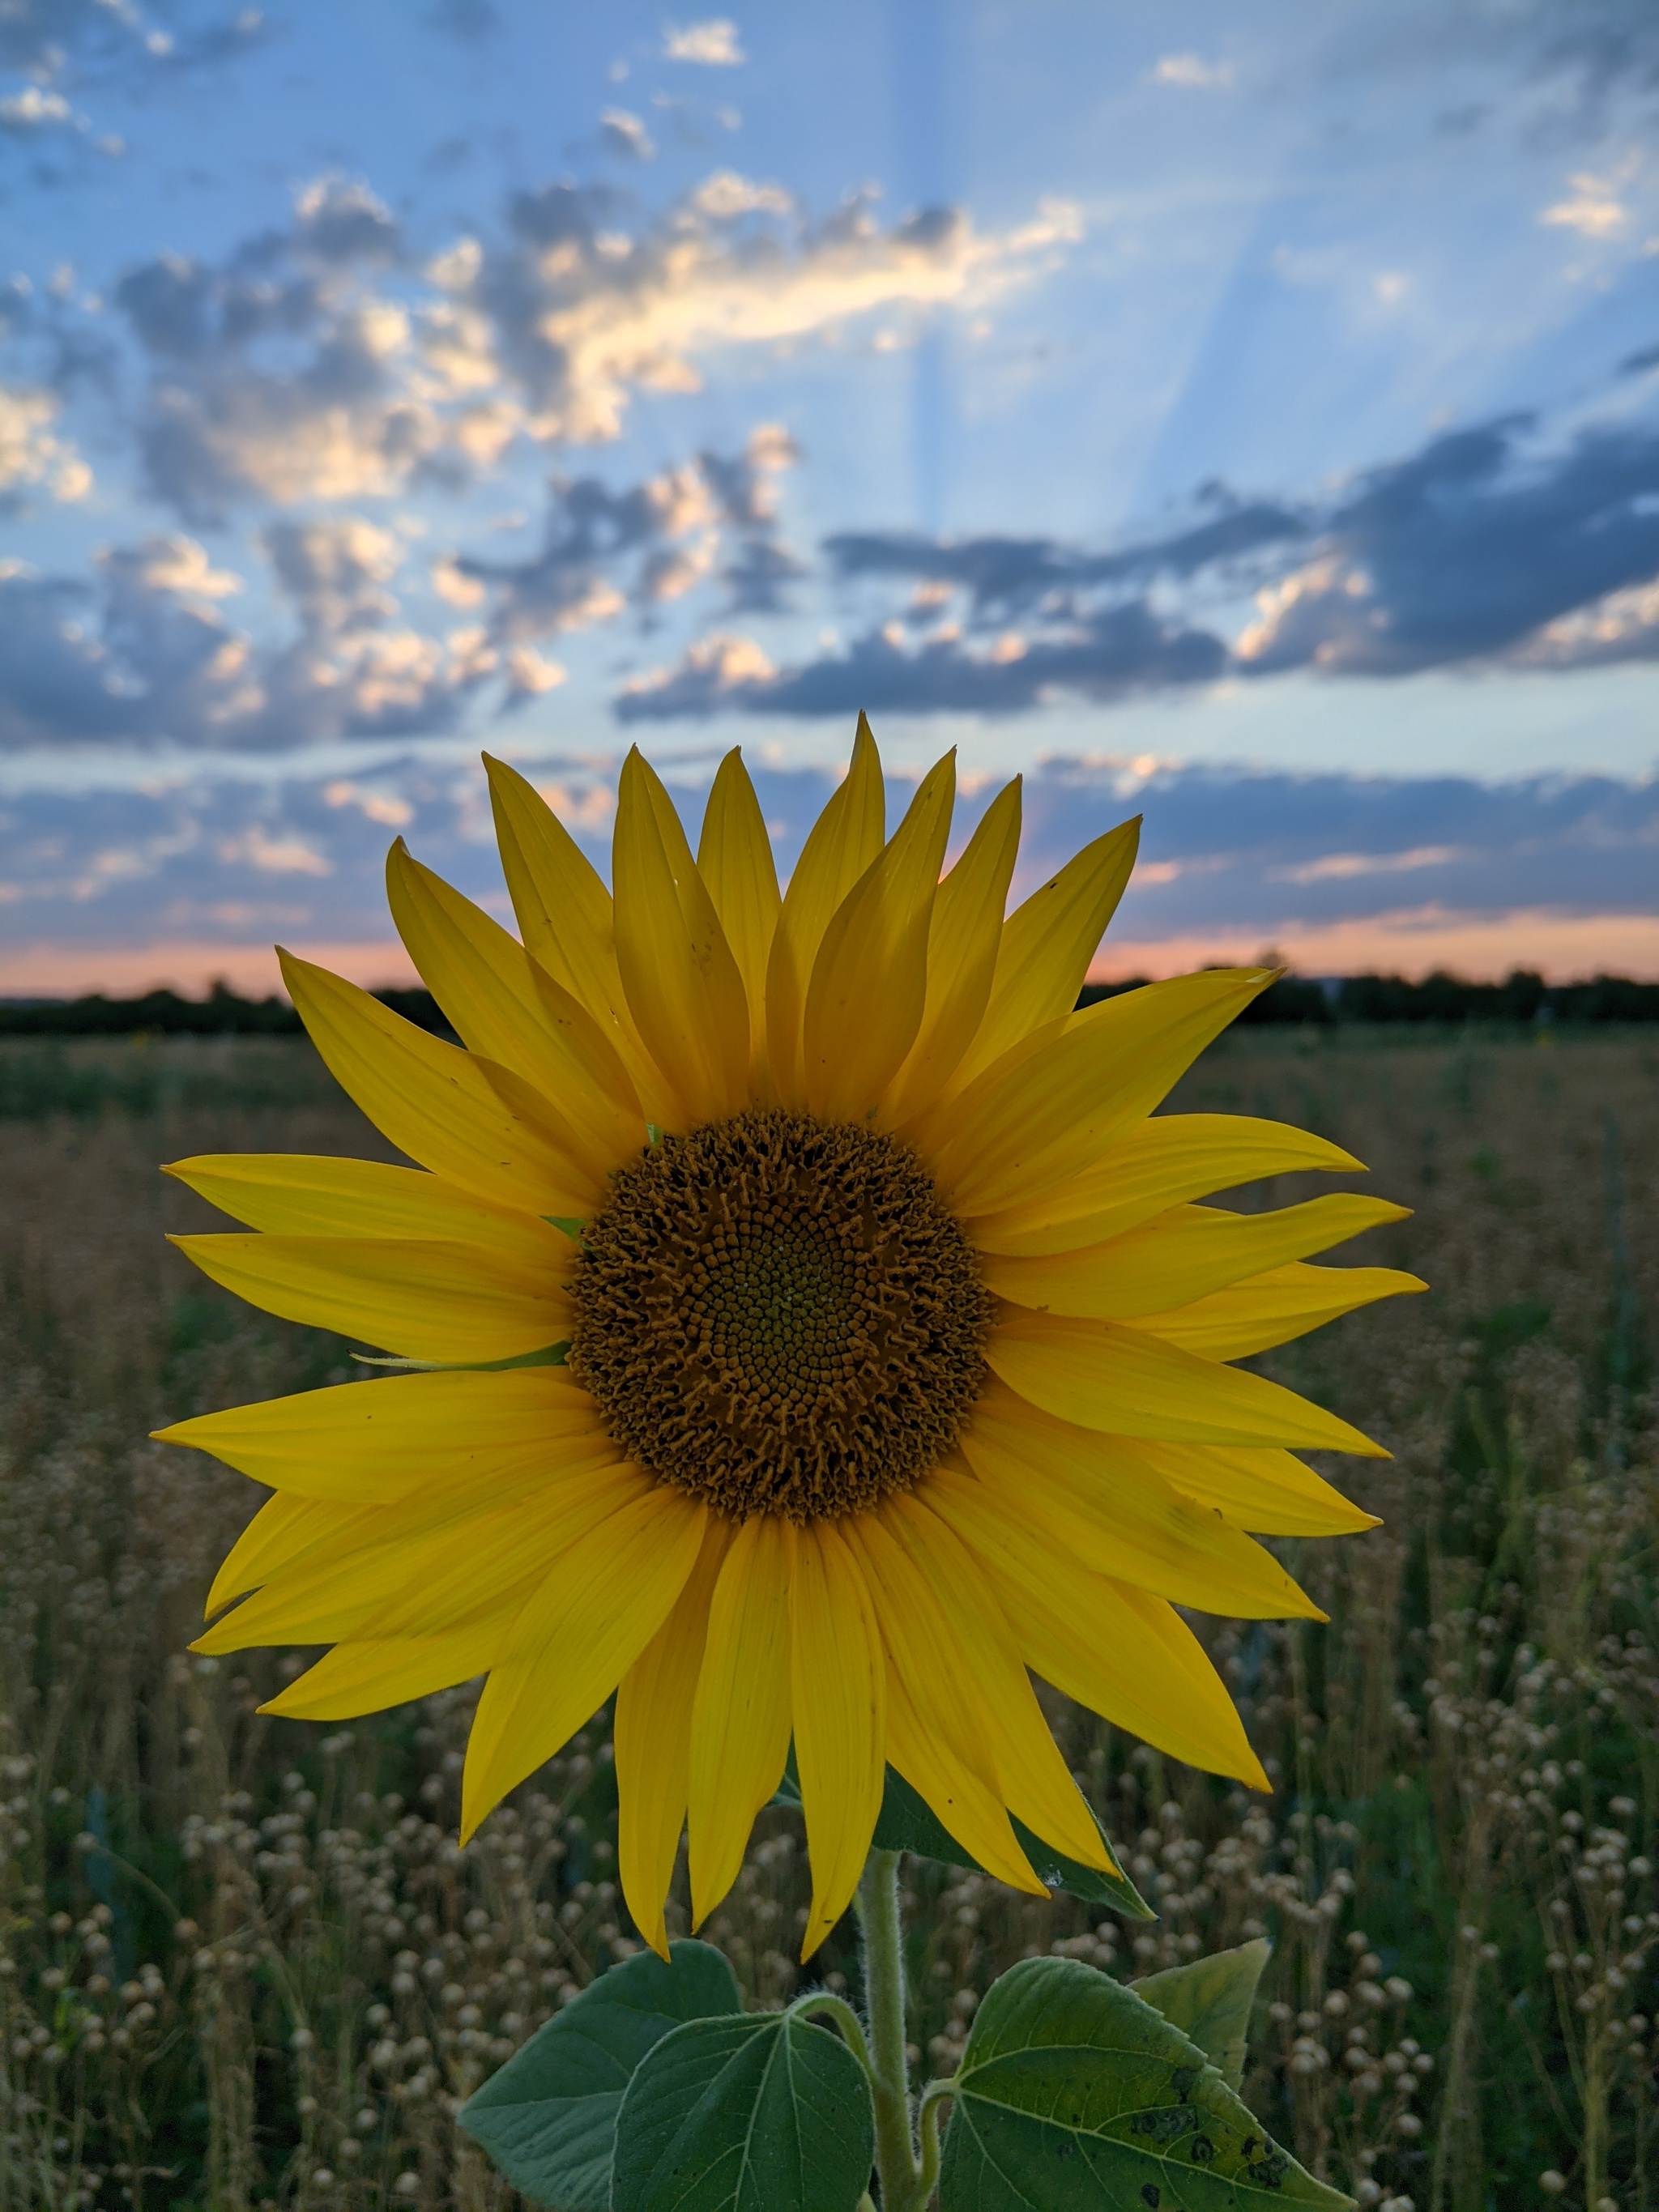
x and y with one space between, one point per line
1244 415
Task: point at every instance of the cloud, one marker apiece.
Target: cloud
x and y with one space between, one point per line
24 114
1192 72
471 21
1479 546
44 38
714 43
313 364
575 316
1391 868
1593 209
625 134
1006 574
1120 650
605 550
32 456
1487 545
144 651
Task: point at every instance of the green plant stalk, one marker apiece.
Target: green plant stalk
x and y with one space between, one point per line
896 2165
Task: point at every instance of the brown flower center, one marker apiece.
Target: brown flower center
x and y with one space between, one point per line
778 1315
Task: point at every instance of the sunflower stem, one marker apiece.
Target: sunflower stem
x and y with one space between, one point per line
896 2167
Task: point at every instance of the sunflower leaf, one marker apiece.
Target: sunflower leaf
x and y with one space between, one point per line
1075 2094
549 2116
906 1822
1210 2000
764 2112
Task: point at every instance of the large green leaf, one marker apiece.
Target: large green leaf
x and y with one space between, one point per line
1074 2096
548 2118
1210 2001
763 2113
907 1822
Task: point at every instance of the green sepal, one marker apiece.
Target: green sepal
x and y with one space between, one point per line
1210 2000
765 2113
1075 2094
548 2118
572 1227
551 1355
907 1822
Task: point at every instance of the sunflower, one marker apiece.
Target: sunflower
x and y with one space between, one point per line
809 1334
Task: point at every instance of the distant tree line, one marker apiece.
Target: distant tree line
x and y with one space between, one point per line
1522 997
164 1013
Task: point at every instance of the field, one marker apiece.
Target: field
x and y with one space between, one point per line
243 1962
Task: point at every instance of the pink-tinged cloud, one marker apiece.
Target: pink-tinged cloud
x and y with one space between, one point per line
1482 948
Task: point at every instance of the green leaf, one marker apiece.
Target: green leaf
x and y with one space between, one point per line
1211 2001
763 2113
1073 2095
548 2118
907 1822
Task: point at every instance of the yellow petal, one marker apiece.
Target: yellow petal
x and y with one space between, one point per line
474 1124
1036 1782
501 1003
963 938
1162 1162
576 1636
839 846
284 1531
952 1760
1269 1492
740 1716
1181 1255
428 1566
653 1736
563 908
367 1678
966 1800
734 859
1103 1499
554 1517
1028 1125
683 985
838 1689
309 1195
1047 945
420 1300
863 1005
1273 1307
1122 1653
1104 1375
376 1442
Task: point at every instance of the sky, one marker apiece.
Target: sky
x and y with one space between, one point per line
1235 413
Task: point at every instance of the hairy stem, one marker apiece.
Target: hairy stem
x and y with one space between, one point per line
884 2001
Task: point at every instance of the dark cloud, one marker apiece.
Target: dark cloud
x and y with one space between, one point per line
1121 650
1011 573
239 862
1479 546
1485 546
471 21
45 37
146 651
646 543
1228 849
220 426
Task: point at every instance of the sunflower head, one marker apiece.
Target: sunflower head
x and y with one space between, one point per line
809 1330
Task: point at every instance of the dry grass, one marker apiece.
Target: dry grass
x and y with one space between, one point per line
243 1962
